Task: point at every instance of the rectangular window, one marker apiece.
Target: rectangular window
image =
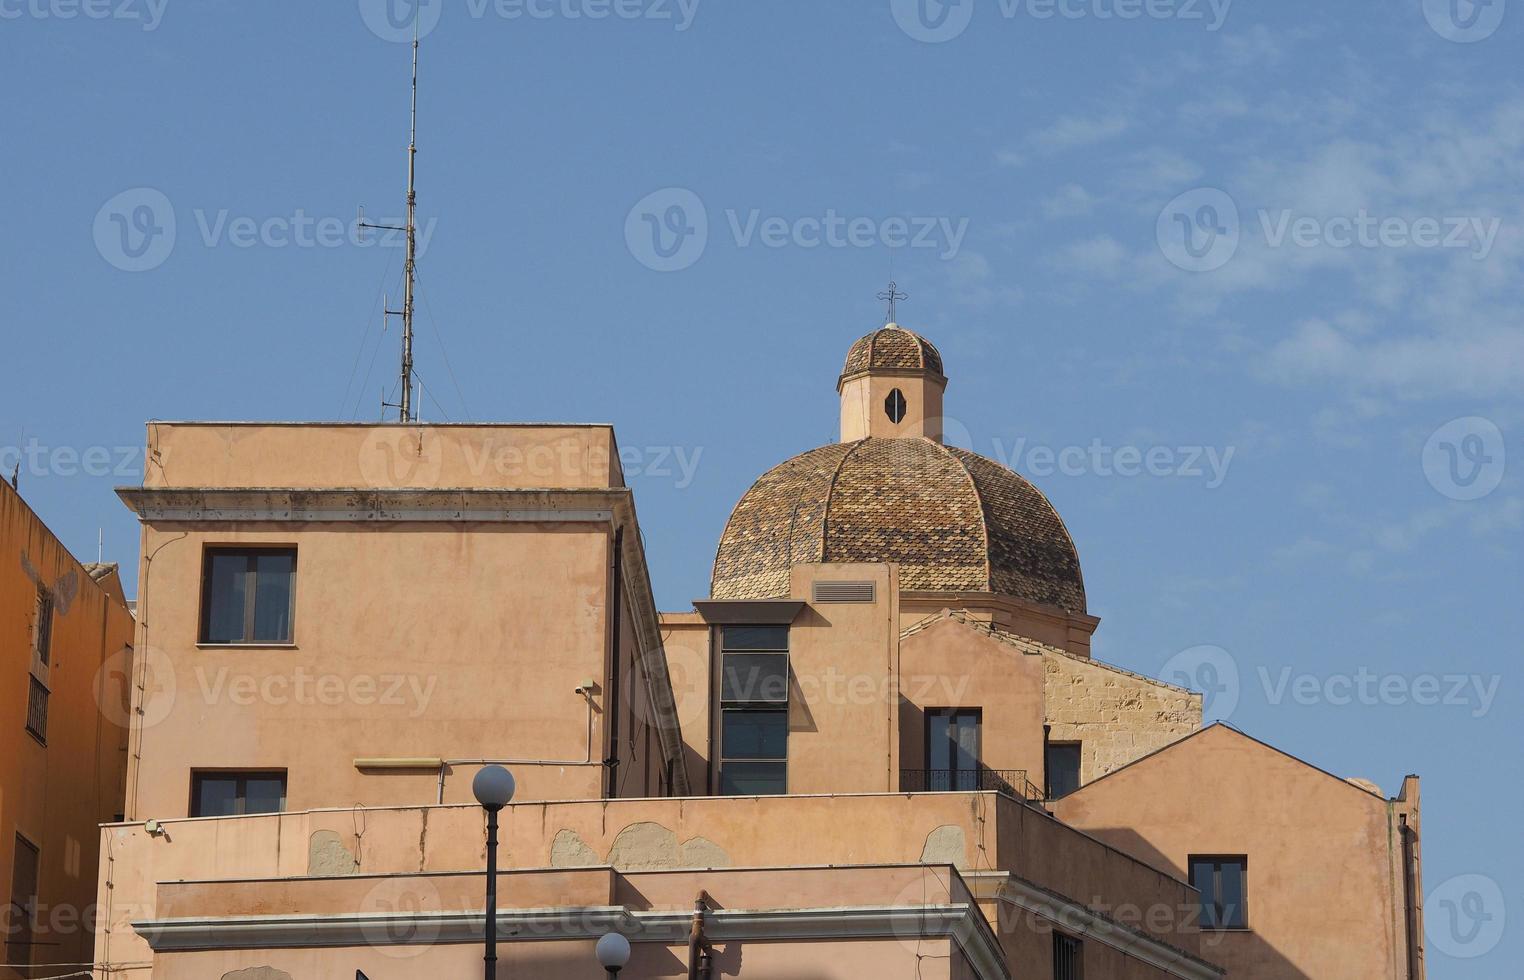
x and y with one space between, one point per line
247 595
952 749
21 915
227 794
37 709
1224 886
754 695
1062 765
42 636
1068 958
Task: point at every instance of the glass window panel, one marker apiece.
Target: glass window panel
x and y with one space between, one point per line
755 734
755 677
216 796
264 794
966 741
756 638
939 744
1230 895
1063 766
227 576
754 779
272 602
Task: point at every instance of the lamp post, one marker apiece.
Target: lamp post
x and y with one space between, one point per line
613 952
493 787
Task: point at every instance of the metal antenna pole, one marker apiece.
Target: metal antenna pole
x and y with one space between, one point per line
409 272
412 241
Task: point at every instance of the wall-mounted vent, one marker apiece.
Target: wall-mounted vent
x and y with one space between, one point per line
843 592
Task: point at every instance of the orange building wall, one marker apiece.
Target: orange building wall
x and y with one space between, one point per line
56 794
1325 892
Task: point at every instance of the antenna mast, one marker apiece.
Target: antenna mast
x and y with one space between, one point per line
405 409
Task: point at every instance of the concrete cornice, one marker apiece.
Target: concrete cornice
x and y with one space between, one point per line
961 923
363 505
1075 918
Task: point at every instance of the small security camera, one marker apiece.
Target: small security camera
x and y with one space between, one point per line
153 827
586 687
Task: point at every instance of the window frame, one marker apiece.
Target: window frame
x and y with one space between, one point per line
1074 947
20 943
250 611
895 404
1047 769
1217 861
37 693
241 778
42 633
753 704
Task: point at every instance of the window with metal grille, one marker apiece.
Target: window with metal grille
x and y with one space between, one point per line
42 636
1068 958
1224 885
227 794
247 595
37 709
754 679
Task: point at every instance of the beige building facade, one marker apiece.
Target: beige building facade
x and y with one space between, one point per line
66 636
879 746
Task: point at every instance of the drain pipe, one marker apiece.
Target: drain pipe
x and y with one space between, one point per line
700 956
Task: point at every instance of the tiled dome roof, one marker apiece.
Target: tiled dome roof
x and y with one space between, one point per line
892 347
953 521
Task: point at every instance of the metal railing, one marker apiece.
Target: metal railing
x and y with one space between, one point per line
1013 782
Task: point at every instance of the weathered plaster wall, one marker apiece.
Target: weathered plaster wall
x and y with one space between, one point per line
1117 716
55 794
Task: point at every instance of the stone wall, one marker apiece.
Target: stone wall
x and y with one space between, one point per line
1116 715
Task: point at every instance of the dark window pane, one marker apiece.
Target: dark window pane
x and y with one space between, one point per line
216 796
227 577
1063 768
755 734
894 406
754 779
21 916
272 603
756 638
265 794
939 744
1230 895
755 677
44 633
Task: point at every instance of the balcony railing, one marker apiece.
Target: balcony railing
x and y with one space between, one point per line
1013 782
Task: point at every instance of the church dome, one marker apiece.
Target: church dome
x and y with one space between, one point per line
952 520
892 349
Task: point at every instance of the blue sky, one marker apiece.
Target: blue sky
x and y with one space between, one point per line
1341 332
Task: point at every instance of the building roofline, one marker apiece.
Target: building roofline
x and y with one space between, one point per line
346 424
1343 781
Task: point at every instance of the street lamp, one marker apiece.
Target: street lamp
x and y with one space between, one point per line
613 952
493 787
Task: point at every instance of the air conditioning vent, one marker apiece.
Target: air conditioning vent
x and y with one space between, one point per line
843 592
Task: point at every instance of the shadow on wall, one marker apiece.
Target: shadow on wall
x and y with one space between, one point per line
1242 952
